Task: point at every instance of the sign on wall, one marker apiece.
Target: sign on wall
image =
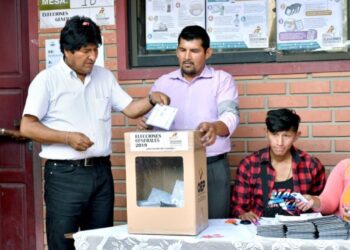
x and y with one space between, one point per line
238 24
53 53
166 18
55 13
309 25
229 23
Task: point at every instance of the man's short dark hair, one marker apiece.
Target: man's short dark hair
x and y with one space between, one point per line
282 120
78 32
192 32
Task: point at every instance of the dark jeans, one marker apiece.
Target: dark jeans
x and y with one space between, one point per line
77 197
219 189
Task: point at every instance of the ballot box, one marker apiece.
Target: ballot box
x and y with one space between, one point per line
166 180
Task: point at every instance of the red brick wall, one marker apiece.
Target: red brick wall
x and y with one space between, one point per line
321 99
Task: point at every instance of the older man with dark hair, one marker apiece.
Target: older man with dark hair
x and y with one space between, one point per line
68 110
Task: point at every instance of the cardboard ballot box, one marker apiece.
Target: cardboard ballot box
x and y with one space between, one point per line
166 176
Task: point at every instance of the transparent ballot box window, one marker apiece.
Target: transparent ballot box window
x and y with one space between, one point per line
160 181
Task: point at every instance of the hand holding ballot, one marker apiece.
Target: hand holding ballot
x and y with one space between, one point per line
307 202
299 197
162 116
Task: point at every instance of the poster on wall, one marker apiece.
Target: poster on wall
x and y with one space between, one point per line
55 13
166 18
309 24
53 53
238 23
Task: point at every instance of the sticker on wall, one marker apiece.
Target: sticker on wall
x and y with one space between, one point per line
55 13
54 55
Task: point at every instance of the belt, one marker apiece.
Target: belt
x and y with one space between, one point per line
87 162
212 159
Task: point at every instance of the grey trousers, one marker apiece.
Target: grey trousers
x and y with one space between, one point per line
219 189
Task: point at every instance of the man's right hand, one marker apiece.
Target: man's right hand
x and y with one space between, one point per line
141 124
78 141
249 216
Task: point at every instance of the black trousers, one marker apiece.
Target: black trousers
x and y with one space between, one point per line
219 188
77 197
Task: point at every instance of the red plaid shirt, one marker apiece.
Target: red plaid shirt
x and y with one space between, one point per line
308 178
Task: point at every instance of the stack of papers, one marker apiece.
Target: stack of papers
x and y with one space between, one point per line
276 231
313 227
301 230
331 227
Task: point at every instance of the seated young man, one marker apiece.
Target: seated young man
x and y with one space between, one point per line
266 179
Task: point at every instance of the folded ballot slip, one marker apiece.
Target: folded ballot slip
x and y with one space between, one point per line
162 116
300 197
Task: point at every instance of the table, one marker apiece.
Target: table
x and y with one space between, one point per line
219 235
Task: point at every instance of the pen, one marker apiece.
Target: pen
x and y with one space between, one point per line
231 221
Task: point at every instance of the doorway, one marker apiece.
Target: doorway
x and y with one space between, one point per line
21 225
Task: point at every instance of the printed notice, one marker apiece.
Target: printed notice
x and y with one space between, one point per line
55 13
166 18
162 141
309 24
229 23
53 53
238 24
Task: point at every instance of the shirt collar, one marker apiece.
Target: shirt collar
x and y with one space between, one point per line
206 73
296 155
68 70
265 155
65 68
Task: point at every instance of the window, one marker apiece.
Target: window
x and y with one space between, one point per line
140 57
136 62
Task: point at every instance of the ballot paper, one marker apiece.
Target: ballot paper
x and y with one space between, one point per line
299 196
162 116
301 217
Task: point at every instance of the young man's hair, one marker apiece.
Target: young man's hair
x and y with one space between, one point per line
78 32
192 32
282 120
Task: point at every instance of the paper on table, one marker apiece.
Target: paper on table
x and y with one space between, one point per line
162 116
301 217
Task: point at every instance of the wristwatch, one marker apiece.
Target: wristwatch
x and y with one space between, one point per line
150 100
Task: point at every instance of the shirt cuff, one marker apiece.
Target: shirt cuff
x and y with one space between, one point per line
231 121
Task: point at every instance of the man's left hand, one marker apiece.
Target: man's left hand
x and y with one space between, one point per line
209 133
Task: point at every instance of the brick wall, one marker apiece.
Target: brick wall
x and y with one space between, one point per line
320 99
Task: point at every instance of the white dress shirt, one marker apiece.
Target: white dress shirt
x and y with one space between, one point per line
59 99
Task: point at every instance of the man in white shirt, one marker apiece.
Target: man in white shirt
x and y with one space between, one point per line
68 110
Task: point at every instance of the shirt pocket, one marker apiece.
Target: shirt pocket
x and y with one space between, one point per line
103 108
